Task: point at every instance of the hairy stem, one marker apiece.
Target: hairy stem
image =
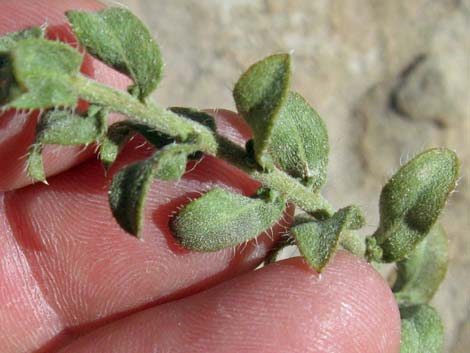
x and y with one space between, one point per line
274 179
183 129
162 119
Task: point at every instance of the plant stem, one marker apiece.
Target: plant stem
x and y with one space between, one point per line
181 128
274 179
162 119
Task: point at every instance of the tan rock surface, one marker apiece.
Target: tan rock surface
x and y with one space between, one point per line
389 77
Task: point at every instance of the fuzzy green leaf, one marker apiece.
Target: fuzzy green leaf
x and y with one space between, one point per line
34 164
128 192
196 115
259 95
10 89
112 143
60 127
420 274
411 201
129 188
421 330
121 40
220 219
9 40
45 70
299 142
119 133
318 241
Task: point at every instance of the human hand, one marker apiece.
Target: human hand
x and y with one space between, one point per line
72 281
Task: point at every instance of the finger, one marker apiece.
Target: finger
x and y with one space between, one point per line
17 129
90 271
284 307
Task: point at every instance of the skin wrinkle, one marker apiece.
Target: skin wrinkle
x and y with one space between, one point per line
223 309
28 294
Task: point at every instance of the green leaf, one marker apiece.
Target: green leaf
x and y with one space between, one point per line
196 115
221 219
45 70
121 40
61 127
112 143
9 40
318 241
420 274
259 95
412 200
119 133
34 164
421 330
129 188
299 142
10 89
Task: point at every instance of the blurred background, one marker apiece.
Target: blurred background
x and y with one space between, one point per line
390 78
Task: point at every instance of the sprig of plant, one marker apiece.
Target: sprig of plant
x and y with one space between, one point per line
288 154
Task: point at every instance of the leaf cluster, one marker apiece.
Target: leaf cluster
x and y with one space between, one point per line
288 154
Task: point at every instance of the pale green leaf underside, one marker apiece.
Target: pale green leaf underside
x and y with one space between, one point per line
45 71
299 142
411 201
121 40
119 133
9 87
259 95
220 219
319 240
420 273
129 188
61 127
421 330
9 40
196 115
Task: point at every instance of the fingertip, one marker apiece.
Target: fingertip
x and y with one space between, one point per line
350 306
284 307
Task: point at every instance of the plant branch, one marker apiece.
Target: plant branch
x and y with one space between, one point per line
181 128
162 119
274 179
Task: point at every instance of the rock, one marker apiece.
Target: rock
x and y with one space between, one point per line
420 93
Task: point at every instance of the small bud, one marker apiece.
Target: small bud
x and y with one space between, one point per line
412 200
